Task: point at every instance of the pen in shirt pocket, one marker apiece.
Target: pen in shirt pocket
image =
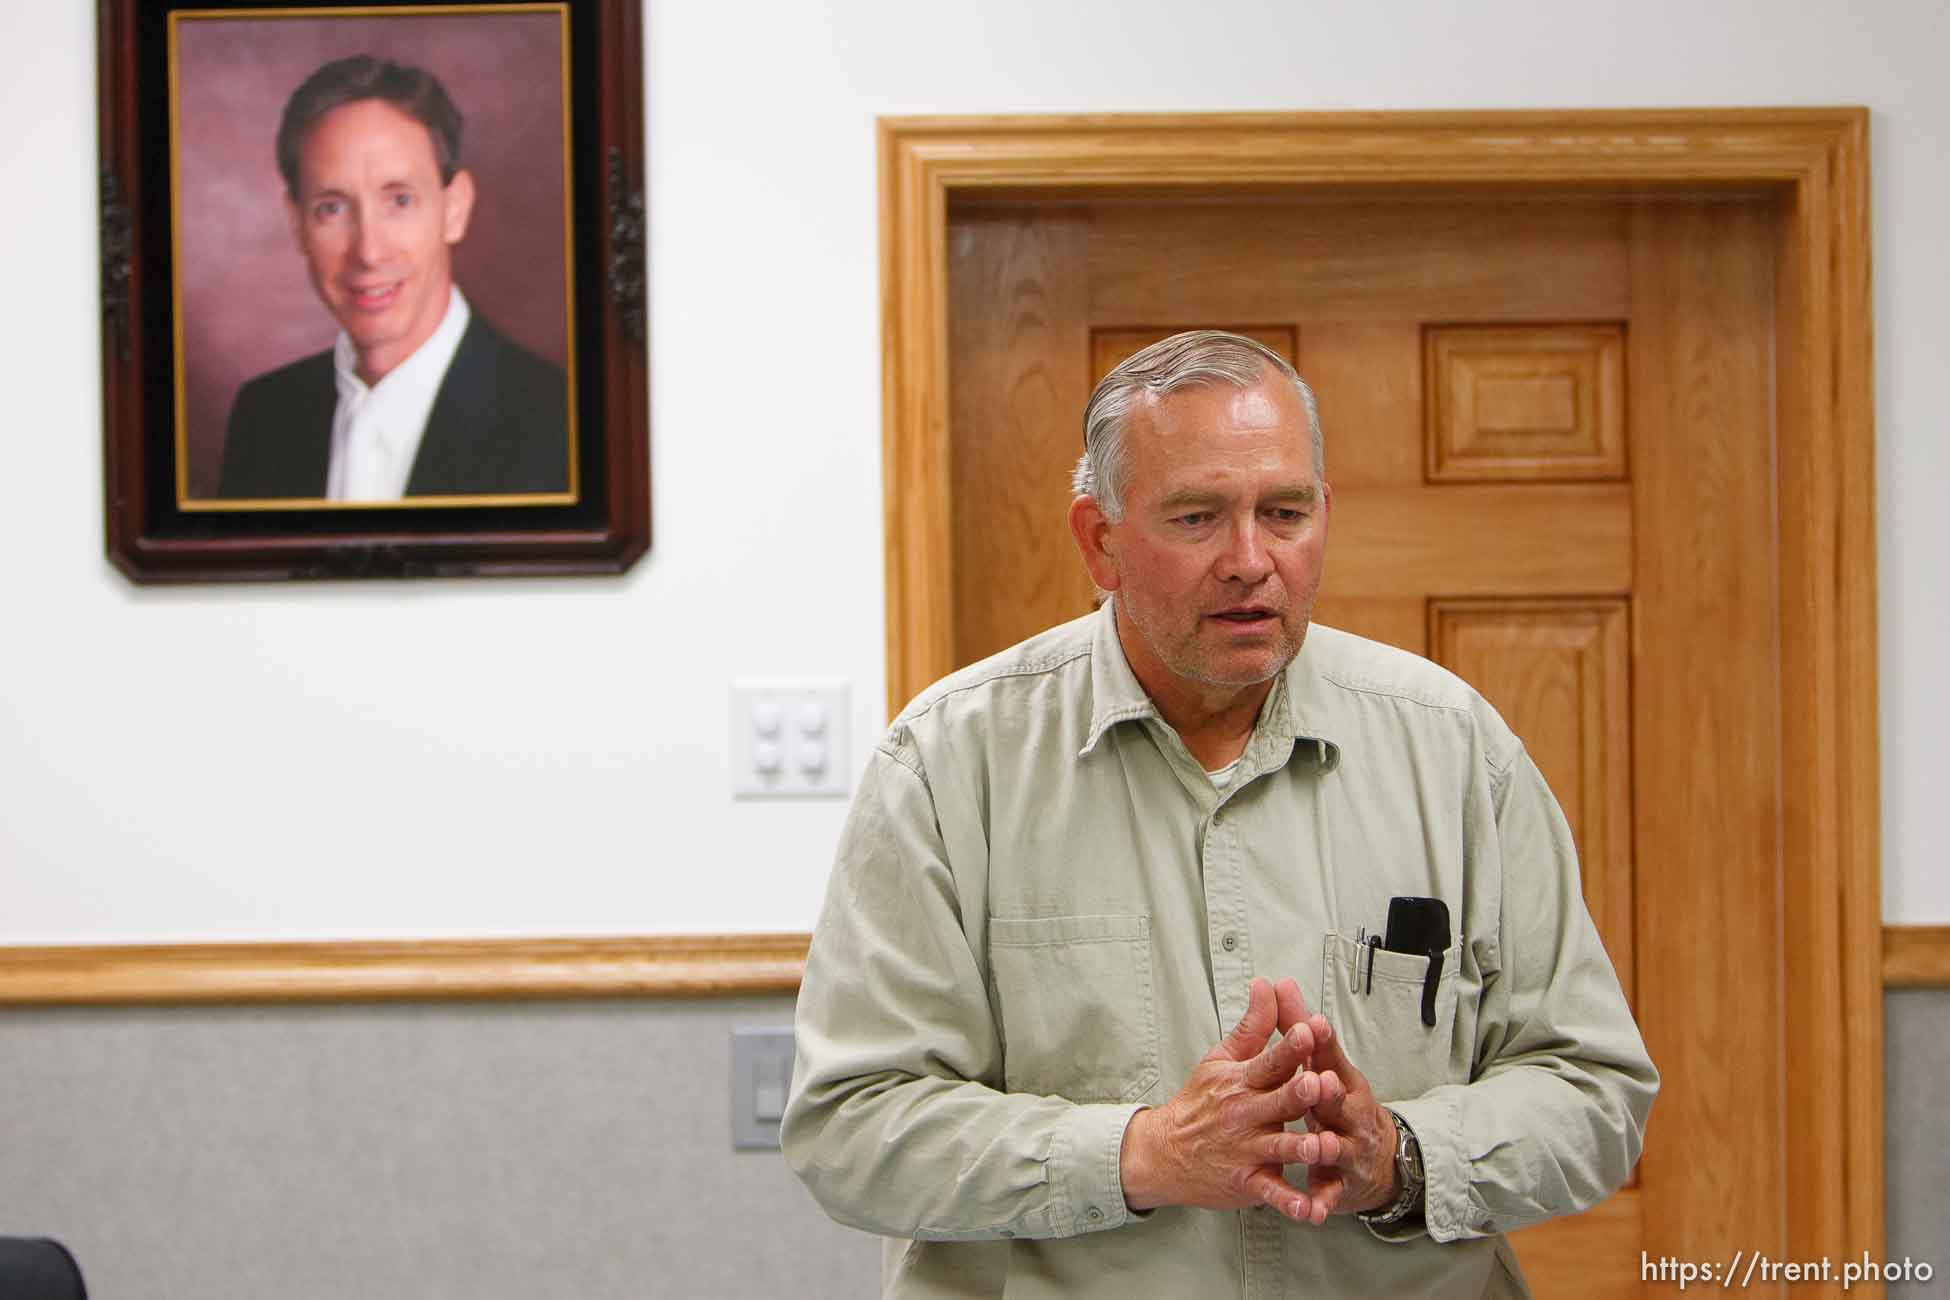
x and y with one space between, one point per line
1369 943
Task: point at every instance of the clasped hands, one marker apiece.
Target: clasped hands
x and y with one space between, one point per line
1220 1142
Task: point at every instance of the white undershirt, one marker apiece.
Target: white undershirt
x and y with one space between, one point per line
376 429
1222 776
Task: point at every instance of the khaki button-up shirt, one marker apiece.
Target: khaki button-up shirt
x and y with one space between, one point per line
1044 913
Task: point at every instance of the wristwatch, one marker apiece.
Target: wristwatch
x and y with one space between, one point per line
1408 1177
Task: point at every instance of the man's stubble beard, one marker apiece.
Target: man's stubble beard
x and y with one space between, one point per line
1189 660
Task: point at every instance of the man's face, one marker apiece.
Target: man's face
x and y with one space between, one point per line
377 228
1218 556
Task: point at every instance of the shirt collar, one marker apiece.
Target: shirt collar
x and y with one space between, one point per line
1115 693
1117 696
1299 695
408 389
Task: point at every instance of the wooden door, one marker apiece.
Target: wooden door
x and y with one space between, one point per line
1548 432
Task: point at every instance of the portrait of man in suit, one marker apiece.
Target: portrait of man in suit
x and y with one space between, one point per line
419 395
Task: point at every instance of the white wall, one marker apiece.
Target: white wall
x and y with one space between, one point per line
550 757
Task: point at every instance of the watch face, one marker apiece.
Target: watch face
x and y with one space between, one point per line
1408 1164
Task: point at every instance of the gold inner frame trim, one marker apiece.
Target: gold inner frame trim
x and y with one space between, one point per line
180 437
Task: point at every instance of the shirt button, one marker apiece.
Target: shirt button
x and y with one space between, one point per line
1094 1214
1230 941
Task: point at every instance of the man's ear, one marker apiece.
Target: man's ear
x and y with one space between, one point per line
1091 530
460 205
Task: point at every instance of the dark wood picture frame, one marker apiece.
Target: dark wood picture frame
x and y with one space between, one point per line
601 526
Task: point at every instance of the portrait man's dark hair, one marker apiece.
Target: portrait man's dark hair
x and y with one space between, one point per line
413 91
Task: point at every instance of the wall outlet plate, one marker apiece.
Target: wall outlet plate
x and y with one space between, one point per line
789 739
761 1075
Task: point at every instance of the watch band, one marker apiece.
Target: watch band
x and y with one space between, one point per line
1409 1178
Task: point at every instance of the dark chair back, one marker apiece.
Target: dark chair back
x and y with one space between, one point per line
35 1268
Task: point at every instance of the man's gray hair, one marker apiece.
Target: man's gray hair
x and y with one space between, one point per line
1181 361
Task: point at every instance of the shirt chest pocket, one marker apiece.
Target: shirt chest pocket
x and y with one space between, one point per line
1074 1006
1380 1019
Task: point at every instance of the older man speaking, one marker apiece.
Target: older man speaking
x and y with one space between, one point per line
1188 949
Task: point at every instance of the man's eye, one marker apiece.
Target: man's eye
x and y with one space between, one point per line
402 200
1288 514
1194 519
326 209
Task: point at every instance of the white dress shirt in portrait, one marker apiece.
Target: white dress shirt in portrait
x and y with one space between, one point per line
377 428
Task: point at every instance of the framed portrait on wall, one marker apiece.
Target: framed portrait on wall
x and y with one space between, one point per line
373 288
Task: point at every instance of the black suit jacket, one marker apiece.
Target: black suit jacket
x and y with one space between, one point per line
499 424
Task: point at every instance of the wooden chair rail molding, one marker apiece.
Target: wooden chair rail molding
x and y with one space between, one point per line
1916 956
668 966
1913 956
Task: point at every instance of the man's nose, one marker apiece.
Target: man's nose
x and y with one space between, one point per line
368 241
1245 557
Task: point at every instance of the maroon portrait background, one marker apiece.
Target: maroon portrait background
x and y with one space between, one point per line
247 305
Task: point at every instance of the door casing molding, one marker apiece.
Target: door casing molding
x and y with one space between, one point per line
1814 162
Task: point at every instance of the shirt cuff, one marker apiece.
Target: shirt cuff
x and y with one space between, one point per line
1449 1212
1085 1170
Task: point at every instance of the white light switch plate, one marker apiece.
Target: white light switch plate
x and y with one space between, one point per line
789 739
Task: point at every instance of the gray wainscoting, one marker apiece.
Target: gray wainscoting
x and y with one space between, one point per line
1916 1115
477 1150
489 1150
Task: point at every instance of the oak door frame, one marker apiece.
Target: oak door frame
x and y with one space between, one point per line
1814 162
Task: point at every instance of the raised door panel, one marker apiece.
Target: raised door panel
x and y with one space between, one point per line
1525 402
1559 672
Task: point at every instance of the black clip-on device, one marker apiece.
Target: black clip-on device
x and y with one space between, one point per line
1420 926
